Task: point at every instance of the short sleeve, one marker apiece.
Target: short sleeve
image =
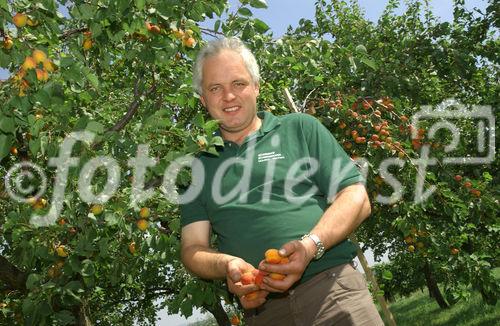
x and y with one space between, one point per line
193 210
336 170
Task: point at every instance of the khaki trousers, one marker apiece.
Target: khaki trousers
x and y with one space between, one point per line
337 296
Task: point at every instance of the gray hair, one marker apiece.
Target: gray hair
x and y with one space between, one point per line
213 48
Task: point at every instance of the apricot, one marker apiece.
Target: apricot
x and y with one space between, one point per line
42 75
189 42
49 66
40 203
132 248
8 43
247 278
272 256
360 140
87 44
97 209
475 192
29 63
20 19
142 224
235 320
144 212
153 28
277 276
259 278
39 56
252 295
61 251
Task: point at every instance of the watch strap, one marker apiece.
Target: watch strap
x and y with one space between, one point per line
320 248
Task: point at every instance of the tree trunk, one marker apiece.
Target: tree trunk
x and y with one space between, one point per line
219 313
12 276
82 316
369 275
433 287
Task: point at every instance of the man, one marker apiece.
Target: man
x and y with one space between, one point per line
279 182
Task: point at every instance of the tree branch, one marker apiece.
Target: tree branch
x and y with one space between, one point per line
71 32
134 106
211 32
218 312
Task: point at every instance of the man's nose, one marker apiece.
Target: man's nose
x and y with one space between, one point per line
228 95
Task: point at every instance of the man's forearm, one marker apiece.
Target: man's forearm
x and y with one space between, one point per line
205 262
349 209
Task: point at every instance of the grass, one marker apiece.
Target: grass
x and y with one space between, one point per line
421 310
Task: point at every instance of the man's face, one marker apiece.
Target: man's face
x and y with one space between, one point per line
229 94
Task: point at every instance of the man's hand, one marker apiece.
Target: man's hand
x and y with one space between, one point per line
299 254
236 267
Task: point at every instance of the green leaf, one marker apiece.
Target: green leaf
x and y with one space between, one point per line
387 275
198 120
95 126
369 62
211 150
245 12
186 308
217 140
7 125
353 64
140 4
65 317
34 146
92 79
86 11
111 219
4 5
258 3
361 49
487 176
217 25
5 144
32 281
210 126
260 25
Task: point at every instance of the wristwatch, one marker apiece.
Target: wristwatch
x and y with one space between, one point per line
320 248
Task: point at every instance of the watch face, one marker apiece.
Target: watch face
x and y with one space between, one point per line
319 253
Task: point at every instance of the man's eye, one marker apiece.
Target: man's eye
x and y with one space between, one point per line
214 89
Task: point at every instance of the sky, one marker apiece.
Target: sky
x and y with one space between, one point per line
279 15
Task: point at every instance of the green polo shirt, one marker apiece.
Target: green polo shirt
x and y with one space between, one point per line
273 188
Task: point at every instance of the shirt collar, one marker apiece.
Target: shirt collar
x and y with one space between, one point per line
269 122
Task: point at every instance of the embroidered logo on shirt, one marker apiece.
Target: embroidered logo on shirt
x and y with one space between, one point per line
264 157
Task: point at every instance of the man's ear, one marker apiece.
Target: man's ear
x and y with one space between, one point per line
203 102
257 89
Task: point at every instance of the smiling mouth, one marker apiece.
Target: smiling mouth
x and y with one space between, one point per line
231 109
